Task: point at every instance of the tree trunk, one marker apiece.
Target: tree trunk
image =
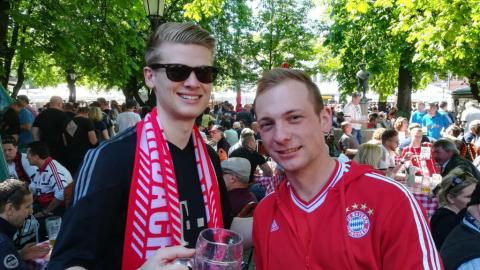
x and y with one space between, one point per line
405 82
10 53
473 80
71 79
20 79
4 18
130 90
382 102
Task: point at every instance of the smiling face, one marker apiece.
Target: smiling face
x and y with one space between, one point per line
180 100
291 130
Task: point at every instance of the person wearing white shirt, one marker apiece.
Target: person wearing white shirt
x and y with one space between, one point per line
471 112
128 118
389 145
17 163
353 113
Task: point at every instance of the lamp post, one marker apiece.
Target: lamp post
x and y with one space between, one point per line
154 10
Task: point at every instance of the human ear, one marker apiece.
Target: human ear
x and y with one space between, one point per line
325 117
9 208
149 77
450 198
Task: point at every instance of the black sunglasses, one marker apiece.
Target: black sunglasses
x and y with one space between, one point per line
179 72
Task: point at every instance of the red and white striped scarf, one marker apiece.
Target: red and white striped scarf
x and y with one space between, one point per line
154 218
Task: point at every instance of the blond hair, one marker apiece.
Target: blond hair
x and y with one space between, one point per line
415 130
398 123
377 134
95 114
369 154
276 76
183 33
453 183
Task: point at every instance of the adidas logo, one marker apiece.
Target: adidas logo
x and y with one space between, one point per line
274 226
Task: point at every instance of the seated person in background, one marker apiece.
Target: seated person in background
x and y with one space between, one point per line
401 126
236 173
49 182
347 143
406 142
17 163
424 165
447 156
468 149
373 120
368 154
453 133
218 142
461 249
455 191
389 145
245 133
248 151
15 206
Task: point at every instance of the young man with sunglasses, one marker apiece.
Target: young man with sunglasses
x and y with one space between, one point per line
327 214
156 185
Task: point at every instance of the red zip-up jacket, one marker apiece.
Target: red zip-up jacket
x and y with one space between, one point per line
359 220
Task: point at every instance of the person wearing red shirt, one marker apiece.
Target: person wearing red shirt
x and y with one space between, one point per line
327 214
425 163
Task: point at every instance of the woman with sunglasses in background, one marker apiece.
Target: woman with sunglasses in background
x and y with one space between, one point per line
455 193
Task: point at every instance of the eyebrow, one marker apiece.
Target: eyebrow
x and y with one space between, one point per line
283 114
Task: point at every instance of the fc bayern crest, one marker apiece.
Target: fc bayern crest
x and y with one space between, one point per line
358 224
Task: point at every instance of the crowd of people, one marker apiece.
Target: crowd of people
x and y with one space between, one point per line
135 189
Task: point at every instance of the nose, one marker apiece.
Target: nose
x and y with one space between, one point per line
192 80
282 133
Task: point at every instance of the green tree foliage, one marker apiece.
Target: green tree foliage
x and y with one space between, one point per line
282 31
362 31
324 61
232 29
101 41
445 34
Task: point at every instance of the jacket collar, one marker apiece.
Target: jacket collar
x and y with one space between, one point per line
45 164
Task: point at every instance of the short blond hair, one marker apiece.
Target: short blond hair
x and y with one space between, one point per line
182 33
276 76
369 154
415 130
95 114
